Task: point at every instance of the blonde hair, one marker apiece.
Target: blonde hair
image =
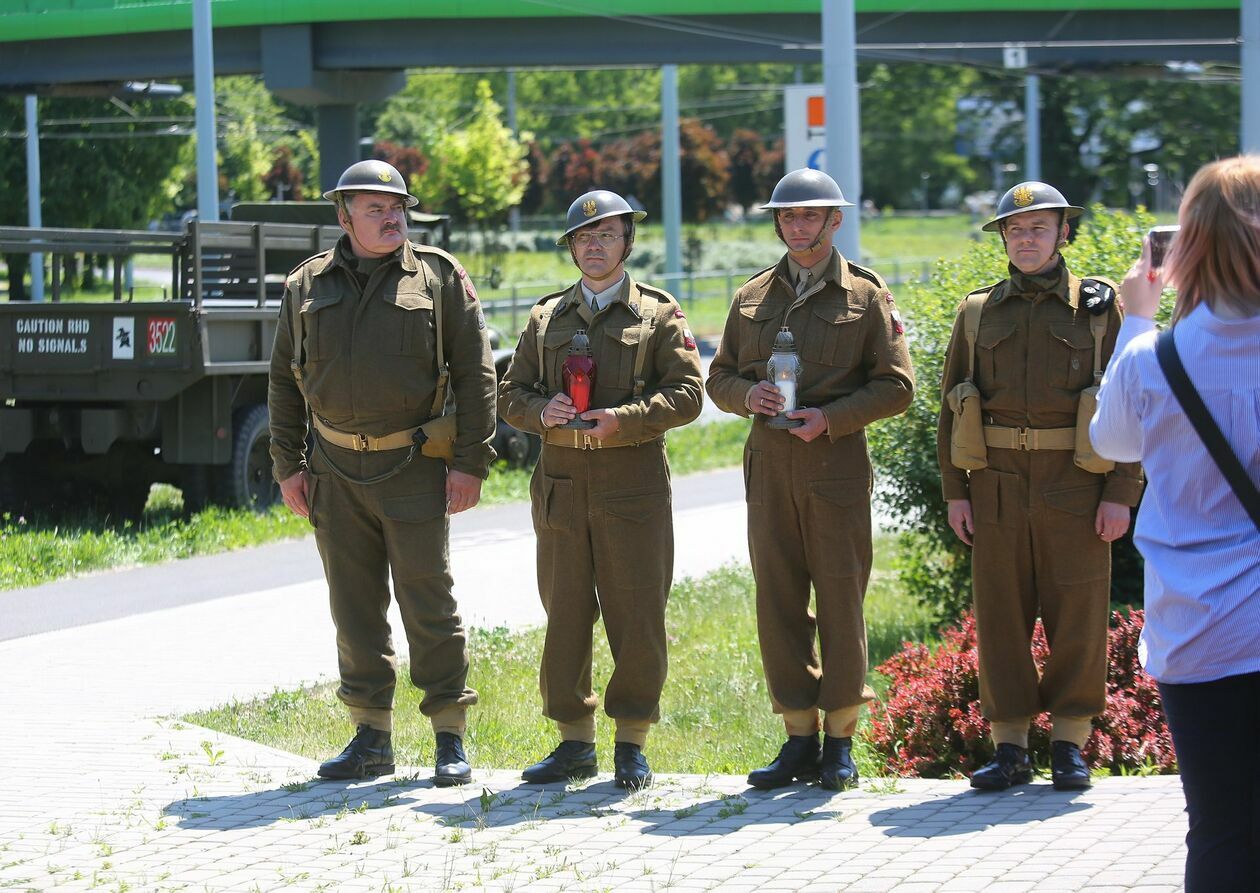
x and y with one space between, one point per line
1216 255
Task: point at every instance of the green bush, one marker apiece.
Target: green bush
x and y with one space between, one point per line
933 564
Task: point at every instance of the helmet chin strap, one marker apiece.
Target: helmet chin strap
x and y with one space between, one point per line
822 233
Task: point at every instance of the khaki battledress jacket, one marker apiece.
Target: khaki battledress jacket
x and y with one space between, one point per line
809 518
602 511
1036 549
370 367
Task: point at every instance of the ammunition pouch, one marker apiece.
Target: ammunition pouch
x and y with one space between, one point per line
967 448
1085 457
438 438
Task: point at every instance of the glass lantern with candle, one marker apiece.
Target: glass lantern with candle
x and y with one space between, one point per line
782 370
577 376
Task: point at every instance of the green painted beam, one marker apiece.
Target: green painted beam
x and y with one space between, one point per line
51 19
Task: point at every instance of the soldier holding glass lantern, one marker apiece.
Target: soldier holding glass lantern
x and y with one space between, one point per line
814 350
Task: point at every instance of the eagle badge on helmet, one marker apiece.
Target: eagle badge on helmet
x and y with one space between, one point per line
1023 197
589 207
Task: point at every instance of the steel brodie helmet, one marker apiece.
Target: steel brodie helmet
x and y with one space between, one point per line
596 205
806 188
372 176
1031 196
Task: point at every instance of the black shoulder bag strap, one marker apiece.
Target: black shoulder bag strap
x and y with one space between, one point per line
1206 427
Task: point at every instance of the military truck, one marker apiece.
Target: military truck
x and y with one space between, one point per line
99 400
102 399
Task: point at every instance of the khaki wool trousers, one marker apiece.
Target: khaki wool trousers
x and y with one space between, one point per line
605 531
365 534
1036 552
809 522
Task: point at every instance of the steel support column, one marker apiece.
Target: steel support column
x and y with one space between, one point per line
671 178
843 122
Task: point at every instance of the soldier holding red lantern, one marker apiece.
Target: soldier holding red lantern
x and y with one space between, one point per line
602 370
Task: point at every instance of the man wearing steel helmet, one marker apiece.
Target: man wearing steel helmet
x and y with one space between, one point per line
601 496
808 488
373 337
1039 511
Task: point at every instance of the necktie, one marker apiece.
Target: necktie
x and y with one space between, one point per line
802 281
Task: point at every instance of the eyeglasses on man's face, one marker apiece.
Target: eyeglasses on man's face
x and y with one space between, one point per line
603 238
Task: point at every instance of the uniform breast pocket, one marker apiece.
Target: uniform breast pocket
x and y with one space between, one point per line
615 362
833 336
760 324
320 330
555 349
994 350
1070 357
408 328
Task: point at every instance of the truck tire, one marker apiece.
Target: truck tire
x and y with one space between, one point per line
246 481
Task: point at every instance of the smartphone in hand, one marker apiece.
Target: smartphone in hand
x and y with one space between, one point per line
1161 237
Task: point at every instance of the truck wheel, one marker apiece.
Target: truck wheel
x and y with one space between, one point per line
519 449
246 481
196 482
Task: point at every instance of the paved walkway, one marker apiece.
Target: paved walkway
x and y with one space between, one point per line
102 790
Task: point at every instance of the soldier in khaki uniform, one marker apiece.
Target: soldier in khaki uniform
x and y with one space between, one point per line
1038 508
362 332
808 488
601 497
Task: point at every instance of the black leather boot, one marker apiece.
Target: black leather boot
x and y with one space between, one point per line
630 767
452 766
368 754
1067 767
572 759
797 759
1010 766
837 771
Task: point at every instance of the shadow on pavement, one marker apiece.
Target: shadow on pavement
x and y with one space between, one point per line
972 811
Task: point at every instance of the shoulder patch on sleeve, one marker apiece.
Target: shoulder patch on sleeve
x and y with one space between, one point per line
466 281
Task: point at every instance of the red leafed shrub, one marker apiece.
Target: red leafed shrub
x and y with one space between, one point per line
929 723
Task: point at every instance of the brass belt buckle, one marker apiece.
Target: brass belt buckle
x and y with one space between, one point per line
586 442
1023 439
360 443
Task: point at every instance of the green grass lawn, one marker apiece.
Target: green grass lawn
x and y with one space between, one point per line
40 550
715 712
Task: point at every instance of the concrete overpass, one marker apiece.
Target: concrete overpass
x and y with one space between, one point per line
311 53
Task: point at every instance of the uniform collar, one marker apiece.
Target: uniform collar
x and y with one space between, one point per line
1056 282
576 295
608 295
831 269
343 256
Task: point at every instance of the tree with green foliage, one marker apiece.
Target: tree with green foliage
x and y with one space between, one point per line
934 565
477 171
1097 132
909 130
